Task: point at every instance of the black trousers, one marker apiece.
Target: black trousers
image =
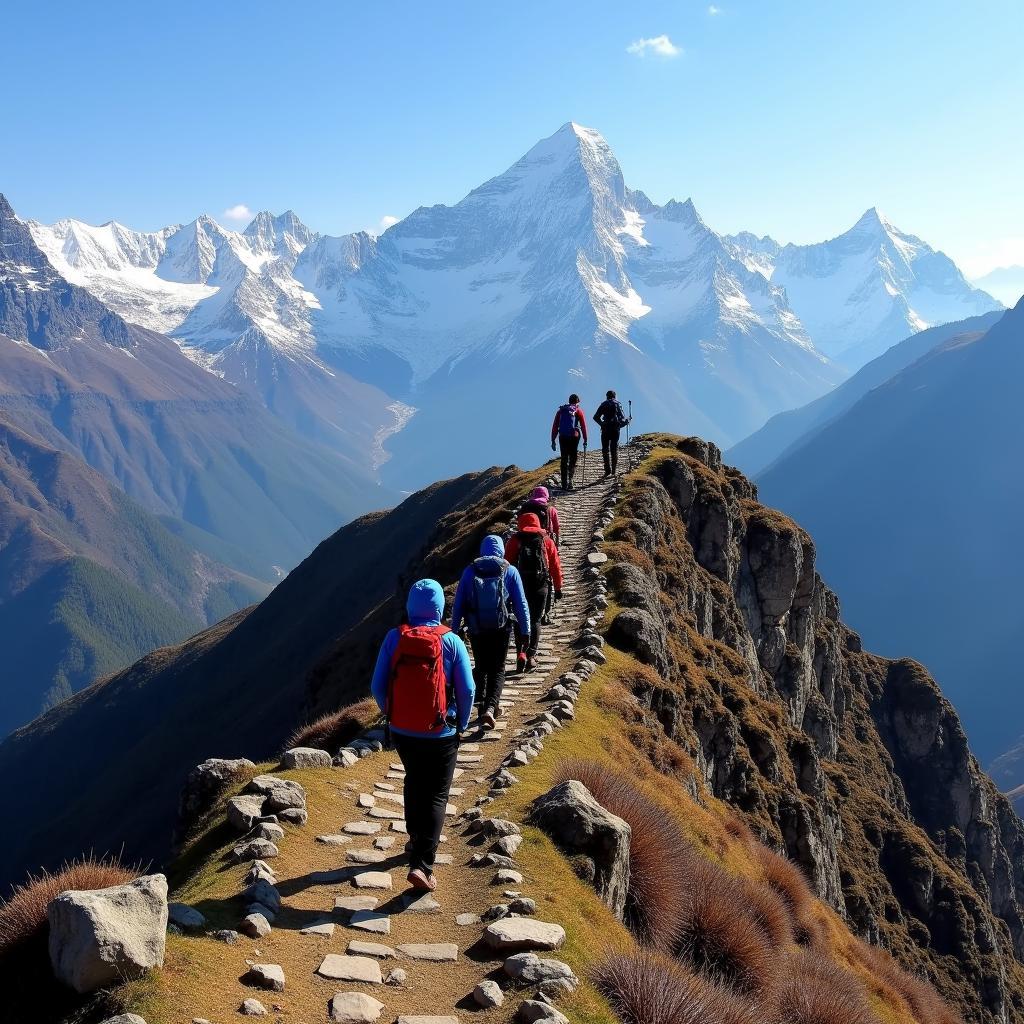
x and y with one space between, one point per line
569 448
429 767
537 602
490 648
610 449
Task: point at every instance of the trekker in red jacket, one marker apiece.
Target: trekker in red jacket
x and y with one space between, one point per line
569 427
534 554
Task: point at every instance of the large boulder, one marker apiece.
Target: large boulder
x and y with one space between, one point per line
582 827
103 936
305 757
203 785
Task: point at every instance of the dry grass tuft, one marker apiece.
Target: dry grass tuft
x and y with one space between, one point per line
23 915
813 990
718 936
792 888
657 852
769 912
927 1006
332 731
649 988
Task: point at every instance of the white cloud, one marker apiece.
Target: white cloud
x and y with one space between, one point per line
238 212
713 10
387 220
660 46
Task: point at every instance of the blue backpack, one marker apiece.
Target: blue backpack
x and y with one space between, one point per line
567 421
488 604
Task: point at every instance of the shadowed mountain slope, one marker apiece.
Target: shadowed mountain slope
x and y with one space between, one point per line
913 506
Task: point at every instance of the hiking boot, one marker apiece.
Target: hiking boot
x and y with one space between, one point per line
488 719
545 619
419 879
521 663
529 663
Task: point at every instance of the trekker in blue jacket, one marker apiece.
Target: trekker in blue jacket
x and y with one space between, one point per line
423 682
489 592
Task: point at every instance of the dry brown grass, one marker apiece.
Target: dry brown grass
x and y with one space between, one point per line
785 879
332 731
648 988
23 915
811 989
657 851
924 1002
718 936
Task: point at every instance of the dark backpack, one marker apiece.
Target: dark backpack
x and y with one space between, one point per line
567 421
488 603
417 698
540 510
532 562
621 419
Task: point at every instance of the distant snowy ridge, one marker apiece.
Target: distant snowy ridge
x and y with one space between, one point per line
862 292
554 269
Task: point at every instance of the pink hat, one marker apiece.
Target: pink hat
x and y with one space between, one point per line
539 494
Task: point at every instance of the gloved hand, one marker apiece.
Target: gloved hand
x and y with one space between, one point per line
558 595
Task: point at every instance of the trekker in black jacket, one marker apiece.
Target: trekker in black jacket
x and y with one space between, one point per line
611 419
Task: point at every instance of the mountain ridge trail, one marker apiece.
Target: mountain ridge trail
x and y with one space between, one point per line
364 920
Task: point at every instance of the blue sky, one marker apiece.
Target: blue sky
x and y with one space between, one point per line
776 116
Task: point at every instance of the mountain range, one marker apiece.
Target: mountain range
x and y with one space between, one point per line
1005 283
911 487
553 276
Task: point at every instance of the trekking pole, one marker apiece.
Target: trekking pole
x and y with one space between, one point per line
584 465
629 444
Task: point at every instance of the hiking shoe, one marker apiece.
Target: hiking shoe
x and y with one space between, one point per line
529 663
488 719
419 879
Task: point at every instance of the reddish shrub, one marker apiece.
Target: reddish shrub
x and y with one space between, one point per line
769 912
331 732
649 988
927 1006
789 883
718 936
813 990
23 915
658 852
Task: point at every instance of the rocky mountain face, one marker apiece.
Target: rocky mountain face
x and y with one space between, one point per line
854 765
926 556
862 292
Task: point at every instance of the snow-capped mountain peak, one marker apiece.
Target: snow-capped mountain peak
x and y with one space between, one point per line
283 234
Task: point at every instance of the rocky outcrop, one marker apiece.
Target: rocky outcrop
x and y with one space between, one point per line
852 765
104 936
596 839
203 786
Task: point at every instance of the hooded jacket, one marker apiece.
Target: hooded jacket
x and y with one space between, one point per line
492 546
425 607
539 497
528 523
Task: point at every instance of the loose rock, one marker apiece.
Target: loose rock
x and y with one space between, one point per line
268 976
256 926
252 1008
516 933
488 994
354 1008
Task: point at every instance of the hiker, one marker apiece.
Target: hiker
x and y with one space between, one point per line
489 591
611 419
539 503
534 554
569 427
423 683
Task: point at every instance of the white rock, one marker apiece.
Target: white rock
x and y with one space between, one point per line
439 952
358 947
371 921
125 1018
488 994
324 929
103 936
252 1008
305 757
354 1008
515 933
372 880
256 926
350 968
268 976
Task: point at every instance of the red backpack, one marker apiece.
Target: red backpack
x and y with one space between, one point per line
418 691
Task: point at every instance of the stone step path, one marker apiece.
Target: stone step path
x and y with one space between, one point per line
389 937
